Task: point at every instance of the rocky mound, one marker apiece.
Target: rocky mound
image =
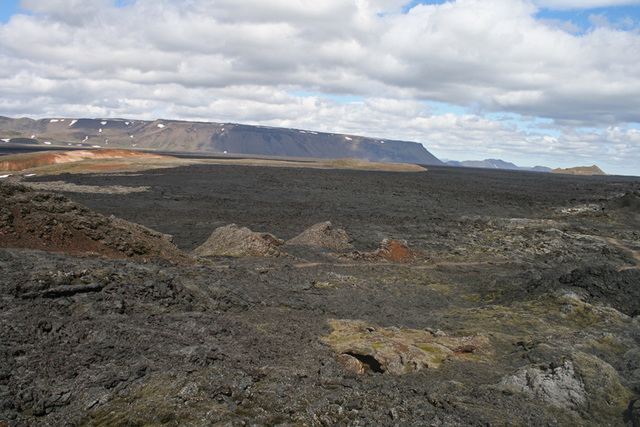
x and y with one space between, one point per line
51 222
19 162
232 240
323 235
363 347
391 250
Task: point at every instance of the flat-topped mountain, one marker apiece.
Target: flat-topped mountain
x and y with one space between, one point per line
580 170
223 138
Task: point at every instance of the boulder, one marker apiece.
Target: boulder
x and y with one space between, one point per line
577 382
235 241
323 235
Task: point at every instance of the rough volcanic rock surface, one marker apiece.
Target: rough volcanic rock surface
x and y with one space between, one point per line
232 240
325 235
243 341
34 220
627 201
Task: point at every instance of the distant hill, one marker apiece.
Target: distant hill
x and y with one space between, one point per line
580 170
228 138
495 164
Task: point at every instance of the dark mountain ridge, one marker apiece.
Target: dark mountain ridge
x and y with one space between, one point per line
223 138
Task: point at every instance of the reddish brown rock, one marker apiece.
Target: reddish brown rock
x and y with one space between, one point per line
51 222
391 250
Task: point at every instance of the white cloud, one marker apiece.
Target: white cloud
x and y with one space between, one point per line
240 60
74 12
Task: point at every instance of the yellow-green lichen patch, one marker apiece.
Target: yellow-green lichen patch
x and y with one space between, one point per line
607 344
161 400
365 347
544 316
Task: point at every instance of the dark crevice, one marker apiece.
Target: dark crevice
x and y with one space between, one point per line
370 362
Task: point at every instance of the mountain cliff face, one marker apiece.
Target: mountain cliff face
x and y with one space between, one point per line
171 135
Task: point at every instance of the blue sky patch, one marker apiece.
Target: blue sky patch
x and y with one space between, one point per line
579 20
8 8
341 99
621 17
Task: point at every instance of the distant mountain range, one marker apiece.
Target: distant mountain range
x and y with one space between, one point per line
222 138
229 139
495 164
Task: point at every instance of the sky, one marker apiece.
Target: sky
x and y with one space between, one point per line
533 82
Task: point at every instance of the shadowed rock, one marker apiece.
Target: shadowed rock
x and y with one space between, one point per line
618 289
323 235
232 240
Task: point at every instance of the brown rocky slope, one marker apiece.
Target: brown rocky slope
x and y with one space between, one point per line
51 222
20 162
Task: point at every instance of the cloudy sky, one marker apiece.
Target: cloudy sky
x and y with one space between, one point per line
534 82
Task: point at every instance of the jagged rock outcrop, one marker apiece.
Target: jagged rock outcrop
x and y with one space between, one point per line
392 250
235 241
363 347
51 222
323 235
575 382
